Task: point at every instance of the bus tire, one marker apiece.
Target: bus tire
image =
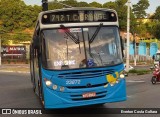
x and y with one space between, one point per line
41 95
101 104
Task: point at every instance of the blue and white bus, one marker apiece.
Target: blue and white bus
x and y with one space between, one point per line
76 58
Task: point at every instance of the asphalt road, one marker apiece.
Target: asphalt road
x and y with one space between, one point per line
16 92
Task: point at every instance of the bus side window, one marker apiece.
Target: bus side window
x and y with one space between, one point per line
36 57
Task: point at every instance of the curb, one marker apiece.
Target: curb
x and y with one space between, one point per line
14 71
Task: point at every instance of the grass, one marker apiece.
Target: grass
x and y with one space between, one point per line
140 72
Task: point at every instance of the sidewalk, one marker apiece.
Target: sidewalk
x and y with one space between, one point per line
18 68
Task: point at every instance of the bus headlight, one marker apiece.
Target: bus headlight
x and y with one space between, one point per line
121 76
54 87
48 83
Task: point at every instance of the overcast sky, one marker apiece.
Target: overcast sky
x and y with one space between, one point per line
151 9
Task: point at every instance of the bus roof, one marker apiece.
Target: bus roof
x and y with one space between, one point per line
44 26
76 8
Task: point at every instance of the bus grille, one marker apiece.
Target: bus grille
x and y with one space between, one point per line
85 74
80 98
92 86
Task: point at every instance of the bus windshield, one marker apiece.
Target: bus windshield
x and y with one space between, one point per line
72 48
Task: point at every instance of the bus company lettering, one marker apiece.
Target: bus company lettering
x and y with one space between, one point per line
77 17
67 62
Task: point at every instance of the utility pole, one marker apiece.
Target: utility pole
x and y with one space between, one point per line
0 53
128 36
135 57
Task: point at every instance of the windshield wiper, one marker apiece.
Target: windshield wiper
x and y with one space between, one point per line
90 53
70 34
95 33
92 39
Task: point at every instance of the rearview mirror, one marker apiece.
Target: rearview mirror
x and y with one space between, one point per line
122 46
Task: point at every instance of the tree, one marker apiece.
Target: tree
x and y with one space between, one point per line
157 13
157 32
140 7
155 25
54 5
16 17
95 4
10 10
72 3
121 8
82 4
109 5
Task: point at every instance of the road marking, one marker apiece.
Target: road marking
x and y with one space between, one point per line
129 96
139 81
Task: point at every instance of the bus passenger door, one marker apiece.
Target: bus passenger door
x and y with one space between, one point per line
32 66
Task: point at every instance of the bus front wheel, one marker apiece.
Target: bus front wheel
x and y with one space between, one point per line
41 95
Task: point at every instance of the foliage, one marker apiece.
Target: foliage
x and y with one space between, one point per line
95 4
109 5
157 14
140 72
154 26
144 30
121 8
157 32
54 5
15 17
140 7
82 4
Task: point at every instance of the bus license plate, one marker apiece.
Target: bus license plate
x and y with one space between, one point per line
88 95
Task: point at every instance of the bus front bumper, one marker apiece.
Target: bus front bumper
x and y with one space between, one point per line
54 99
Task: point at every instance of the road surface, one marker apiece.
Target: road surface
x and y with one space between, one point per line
16 92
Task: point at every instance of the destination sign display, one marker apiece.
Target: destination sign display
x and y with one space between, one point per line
79 16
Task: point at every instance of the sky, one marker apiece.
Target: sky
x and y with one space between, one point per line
153 3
